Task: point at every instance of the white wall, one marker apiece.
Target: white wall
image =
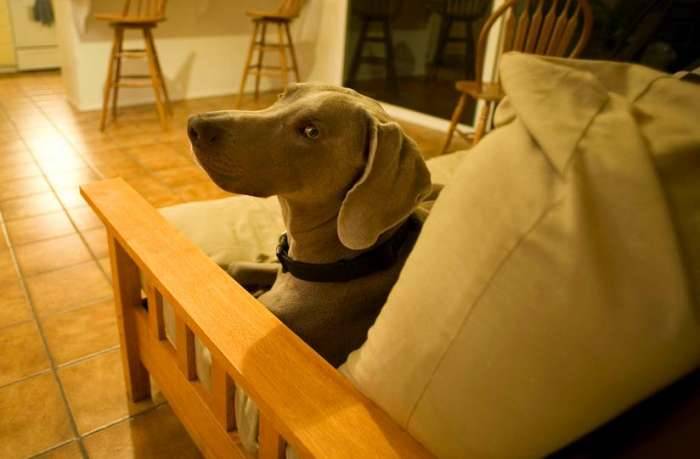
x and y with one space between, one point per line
198 56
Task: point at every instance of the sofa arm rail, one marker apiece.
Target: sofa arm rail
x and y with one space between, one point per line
303 401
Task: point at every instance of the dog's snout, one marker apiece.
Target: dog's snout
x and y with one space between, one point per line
203 131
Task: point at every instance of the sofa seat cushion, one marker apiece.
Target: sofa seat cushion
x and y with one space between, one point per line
548 291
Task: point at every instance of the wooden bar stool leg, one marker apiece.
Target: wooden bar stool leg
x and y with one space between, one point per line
359 48
389 55
161 78
119 36
109 82
292 51
261 56
456 116
283 56
150 52
246 68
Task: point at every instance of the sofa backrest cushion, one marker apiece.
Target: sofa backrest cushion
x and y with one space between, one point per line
549 290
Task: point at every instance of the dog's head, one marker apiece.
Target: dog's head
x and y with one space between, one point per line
318 144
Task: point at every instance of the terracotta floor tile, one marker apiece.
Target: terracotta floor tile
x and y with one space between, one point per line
66 288
34 417
13 304
97 241
106 266
8 273
21 156
181 176
51 254
23 187
156 434
80 332
68 451
38 228
18 171
73 178
70 197
110 171
85 219
22 353
29 206
96 391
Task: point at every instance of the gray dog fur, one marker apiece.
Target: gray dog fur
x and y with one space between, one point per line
341 192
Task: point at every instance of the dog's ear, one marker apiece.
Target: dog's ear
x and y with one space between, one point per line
394 182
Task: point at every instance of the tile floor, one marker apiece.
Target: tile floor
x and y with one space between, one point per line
61 388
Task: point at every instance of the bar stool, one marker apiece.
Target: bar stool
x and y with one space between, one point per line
379 12
143 15
282 17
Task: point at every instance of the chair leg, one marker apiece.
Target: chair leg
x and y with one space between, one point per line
357 56
283 56
389 56
261 56
118 73
150 51
482 121
292 52
246 68
456 116
109 82
161 77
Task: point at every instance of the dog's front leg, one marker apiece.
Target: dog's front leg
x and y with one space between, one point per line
254 276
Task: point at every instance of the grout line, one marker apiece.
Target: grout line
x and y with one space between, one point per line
53 448
128 417
26 377
82 359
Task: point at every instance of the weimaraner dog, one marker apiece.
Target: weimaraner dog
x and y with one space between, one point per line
348 181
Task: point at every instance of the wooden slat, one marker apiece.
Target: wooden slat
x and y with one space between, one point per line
508 30
155 313
222 389
186 398
184 346
547 28
521 31
533 33
271 444
307 401
127 299
571 27
559 28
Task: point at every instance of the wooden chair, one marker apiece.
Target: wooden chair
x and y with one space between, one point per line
143 15
453 12
282 17
375 12
303 401
546 27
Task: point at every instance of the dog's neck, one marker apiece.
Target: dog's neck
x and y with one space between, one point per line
312 231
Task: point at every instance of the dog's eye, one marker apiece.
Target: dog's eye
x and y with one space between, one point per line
311 132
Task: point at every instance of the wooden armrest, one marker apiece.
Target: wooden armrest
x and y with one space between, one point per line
312 406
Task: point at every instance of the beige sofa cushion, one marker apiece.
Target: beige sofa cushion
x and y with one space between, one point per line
547 292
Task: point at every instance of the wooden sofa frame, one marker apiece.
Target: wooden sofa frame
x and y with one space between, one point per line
303 401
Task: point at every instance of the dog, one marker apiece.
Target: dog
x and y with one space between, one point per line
348 181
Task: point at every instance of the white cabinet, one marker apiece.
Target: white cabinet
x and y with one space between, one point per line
35 44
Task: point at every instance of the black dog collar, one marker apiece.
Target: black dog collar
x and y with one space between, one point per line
379 258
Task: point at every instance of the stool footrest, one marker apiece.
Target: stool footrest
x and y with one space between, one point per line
134 81
133 54
270 46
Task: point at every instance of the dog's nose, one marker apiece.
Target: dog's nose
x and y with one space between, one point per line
203 131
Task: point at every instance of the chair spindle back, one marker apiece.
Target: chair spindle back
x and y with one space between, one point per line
546 27
144 9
